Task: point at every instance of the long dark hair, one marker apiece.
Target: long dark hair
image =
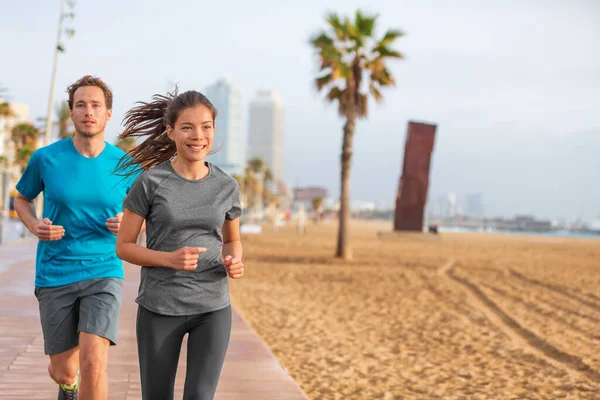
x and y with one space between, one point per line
150 120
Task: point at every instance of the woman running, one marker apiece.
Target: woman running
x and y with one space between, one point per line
192 210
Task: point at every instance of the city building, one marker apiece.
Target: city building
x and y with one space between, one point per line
265 137
305 195
473 205
455 205
229 143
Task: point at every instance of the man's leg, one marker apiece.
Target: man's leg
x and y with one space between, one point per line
93 356
59 316
99 307
64 366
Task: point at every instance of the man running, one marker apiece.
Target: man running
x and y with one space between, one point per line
79 278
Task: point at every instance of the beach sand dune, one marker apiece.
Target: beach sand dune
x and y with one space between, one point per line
464 316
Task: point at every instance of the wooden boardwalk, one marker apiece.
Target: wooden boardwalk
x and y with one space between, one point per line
250 371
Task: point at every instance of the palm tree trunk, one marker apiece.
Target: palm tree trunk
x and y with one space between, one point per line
343 249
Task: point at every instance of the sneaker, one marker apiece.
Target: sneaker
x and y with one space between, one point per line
69 393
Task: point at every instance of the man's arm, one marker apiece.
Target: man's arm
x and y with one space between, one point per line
43 229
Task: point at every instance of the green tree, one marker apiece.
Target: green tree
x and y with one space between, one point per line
317 204
126 144
352 65
25 136
256 167
5 110
63 117
267 178
248 186
241 180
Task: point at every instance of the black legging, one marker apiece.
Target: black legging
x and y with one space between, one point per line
159 339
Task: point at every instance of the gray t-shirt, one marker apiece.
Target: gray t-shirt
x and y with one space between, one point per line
180 212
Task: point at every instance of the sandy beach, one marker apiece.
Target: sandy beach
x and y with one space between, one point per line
462 316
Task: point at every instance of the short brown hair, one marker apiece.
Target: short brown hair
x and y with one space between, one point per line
89 80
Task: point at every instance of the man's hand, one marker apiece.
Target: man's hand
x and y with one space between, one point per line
113 224
234 267
45 231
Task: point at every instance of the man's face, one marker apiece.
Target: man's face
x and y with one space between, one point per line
89 113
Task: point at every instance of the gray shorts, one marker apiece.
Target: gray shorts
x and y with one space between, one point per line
90 306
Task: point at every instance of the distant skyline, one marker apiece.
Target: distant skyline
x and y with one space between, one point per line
266 133
514 87
229 144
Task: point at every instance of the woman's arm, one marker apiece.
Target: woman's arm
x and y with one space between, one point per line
232 249
128 250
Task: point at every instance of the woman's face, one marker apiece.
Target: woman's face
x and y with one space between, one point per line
193 133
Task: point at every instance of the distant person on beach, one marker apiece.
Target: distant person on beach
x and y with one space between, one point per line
301 217
79 278
192 209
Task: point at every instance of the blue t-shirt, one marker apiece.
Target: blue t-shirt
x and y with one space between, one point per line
80 193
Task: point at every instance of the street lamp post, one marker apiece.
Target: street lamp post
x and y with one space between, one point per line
59 49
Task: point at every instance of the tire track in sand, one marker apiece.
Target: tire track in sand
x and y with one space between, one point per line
520 335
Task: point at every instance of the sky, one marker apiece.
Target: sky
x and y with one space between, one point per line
513 86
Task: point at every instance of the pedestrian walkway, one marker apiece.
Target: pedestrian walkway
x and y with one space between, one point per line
250 371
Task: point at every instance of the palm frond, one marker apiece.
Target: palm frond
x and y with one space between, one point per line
384 51
338 27
334 94
389 37
323 81
5 110
383 78
321 40
346 55
342 71
375 92
256 164
329 55
365 25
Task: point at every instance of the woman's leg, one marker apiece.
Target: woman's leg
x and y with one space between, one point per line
159 339
207 344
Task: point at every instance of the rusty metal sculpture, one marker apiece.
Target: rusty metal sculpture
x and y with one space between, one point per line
414 182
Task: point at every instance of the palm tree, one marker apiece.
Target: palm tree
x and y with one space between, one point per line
5 110
256 165
126 144
248 186
267 178
317 203
23 155
63 117
241 181
348 54
25 136
257 169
